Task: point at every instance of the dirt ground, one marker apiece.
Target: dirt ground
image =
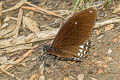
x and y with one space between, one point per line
103 62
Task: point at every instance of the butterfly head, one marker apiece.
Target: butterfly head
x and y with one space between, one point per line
47 48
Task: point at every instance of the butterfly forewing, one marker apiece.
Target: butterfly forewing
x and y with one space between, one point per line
74 33
76 30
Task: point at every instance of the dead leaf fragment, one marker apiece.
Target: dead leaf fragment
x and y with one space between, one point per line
99 71
31 25
116 39
98 32
7 31
117 8
34 77
7 18
109 27
105 65
19 60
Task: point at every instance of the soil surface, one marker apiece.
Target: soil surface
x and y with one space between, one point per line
103 62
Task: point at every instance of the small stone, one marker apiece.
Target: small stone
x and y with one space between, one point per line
33 59
93 78
109 51
81 77
101 36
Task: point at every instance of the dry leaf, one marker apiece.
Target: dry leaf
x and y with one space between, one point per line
4 60
109 27
19 60
115 39
117 8
105 65
4 25
98 32
7 18
66 66
44 35
30 14
31 24
29 37
34 77
99 71
7 31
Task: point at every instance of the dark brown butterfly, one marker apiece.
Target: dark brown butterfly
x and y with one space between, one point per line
71 40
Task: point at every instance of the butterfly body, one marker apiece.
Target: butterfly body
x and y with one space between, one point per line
72 38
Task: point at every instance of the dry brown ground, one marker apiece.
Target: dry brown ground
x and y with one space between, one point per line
18 38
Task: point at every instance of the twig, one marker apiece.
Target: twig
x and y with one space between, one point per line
11 75
0 15
43 35
29 8
76 4
110 21
16 48
7 32
13 18
19 20
44 10
18 5
19 60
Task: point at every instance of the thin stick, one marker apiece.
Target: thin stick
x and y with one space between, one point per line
109 21
76 4
18 5
0 15
11 75
19 20
44 10
30 8
19 60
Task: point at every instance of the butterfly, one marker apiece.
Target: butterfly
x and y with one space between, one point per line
72 40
